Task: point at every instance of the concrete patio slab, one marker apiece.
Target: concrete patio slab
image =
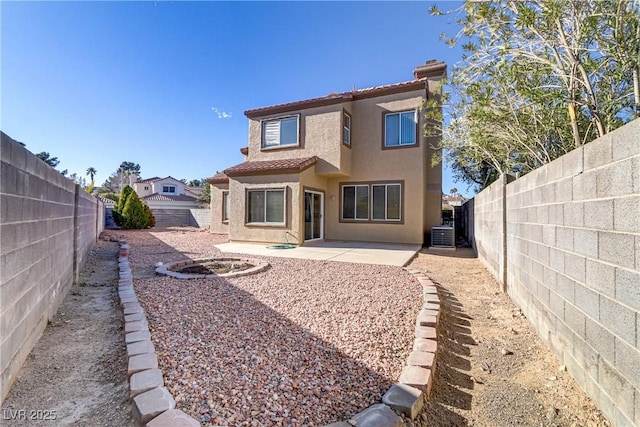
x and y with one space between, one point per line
355 252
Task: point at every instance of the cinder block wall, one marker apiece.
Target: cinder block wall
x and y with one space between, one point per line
573 264
47 226
489 227
200 218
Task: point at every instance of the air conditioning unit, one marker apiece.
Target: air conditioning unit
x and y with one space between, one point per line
443 237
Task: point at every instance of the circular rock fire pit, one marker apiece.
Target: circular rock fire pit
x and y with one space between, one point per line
209 268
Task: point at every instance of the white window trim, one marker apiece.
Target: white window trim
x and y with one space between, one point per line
355 211
169 192
263 138
225 206
400 143
346 117
370 218
386 212
265 223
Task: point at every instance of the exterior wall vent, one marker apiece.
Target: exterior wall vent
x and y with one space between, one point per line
443 237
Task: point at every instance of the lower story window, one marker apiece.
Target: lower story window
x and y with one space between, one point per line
385 202
265 206
225 206
372 202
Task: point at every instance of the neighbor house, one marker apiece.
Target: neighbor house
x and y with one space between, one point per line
166 193
348 166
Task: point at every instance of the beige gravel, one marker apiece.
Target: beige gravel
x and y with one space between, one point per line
303 343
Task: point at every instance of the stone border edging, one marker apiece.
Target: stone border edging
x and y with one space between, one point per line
165 269
414 385
152 404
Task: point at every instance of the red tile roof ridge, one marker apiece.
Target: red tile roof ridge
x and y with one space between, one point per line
338 97
262 167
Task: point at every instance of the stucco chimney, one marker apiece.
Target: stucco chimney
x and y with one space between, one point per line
133 178
433 69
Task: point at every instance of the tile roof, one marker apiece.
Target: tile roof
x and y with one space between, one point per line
219 178
270 167
169 198
148 180
107 202
336 98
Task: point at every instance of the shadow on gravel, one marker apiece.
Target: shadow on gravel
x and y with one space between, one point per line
453 364
459 252
229 359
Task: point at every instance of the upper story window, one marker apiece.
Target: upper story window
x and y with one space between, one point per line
346 132
146 187
400 128
169 189
280 132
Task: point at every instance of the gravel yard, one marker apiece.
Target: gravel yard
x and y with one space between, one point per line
303 343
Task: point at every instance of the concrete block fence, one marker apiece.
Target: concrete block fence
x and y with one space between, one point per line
564 241
48 225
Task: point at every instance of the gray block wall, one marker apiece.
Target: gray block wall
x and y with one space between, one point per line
573 263
47 226
182 217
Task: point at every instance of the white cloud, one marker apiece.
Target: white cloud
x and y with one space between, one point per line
221 114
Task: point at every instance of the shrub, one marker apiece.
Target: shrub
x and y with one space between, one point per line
134 215
151 220
119 207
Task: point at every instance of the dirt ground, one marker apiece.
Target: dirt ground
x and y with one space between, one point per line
492 368
76 374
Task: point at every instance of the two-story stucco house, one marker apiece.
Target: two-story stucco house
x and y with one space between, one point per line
166 193
349 166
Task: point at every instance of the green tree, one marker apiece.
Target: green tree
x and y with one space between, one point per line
91 172
133 214
151 220
538 78
118 179
118 209
46 157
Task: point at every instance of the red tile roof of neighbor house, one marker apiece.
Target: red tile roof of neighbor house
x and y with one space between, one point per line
166 198
219 178
270 167
148 180
431 68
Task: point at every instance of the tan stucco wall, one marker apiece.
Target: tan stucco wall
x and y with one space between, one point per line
433 188
217 226
320 135
238 231
370 163
364 161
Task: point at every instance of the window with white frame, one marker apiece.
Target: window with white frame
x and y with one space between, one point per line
385 202
280 132
169 189
266 206
225 206
400 128
372 202
346 133
355 202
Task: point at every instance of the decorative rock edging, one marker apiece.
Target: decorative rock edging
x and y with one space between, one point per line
407 397
152 404
165 269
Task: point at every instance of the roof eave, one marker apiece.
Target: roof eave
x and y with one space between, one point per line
337 99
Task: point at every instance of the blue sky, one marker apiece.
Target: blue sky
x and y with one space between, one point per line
165 84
